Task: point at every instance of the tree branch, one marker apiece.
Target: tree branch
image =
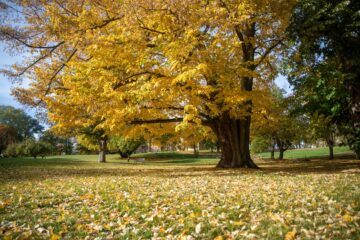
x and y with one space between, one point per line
35 62
268 51
11 36
152 121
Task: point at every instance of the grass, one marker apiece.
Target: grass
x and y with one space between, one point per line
309 152
177 196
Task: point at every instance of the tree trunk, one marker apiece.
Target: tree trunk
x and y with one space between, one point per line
102 150
123 154
272 151
234 139
357 154
281 153
150 150
331 152
330 144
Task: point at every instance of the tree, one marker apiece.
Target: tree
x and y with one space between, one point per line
324 62
277 125
323 128
146 62
60 144
7 136
34 148
260 144
11 150
125 146
93 139
25 125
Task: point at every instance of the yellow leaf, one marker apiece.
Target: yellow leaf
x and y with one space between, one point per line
347 218
55 237
239 223
219 238
290 235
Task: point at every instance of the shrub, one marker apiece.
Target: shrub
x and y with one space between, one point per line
45 149
29 147
34 148
259 145
11 150
20 149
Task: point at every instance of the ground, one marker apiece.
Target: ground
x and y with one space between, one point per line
178 196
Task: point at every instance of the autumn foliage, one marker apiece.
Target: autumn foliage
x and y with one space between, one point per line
113 66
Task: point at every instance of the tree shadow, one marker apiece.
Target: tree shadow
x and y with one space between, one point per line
60 168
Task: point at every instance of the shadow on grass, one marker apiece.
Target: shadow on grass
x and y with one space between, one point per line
39 169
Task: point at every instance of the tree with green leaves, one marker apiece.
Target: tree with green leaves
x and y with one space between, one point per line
60 144
25 125
323 128
324 62
126 146
7 136
278 126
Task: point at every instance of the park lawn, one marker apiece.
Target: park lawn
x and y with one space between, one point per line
309 152
74 197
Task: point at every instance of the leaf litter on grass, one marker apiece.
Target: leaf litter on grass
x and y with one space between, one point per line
184 203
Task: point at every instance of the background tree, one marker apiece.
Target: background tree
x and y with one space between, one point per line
323 128
325 61
29 147
25 125
60 144
7 136
277 126
126 146
261 144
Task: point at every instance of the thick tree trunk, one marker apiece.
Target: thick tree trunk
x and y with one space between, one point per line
234 138
102 150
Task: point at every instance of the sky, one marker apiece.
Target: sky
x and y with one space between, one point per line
5 85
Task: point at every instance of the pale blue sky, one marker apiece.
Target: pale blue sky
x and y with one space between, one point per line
5 84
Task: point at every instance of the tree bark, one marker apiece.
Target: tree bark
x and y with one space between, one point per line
102 150
234 139
281 153
357 154
331 152
330 144
196 153
150 150
272 156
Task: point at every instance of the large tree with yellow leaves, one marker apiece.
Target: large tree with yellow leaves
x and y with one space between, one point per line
124 63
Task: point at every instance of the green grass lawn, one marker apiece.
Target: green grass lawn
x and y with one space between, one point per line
308 152
177 196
